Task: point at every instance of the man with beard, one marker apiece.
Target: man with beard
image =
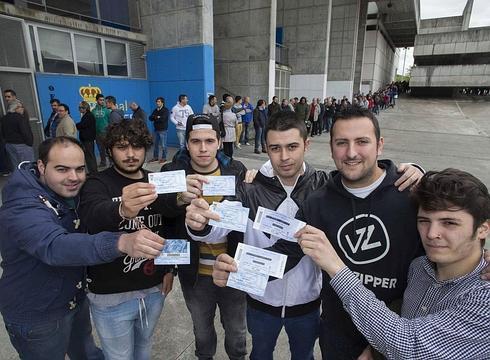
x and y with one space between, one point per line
44 253
126 296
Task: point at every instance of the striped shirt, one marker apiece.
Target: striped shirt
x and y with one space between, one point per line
440 319
209 252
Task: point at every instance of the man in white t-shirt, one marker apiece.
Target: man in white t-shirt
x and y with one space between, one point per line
180 113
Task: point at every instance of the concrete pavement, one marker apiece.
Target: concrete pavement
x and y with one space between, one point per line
433 133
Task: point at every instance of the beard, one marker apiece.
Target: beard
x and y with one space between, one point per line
125 170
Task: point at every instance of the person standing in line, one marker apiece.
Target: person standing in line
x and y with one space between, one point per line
212 108
66 126
17 134
87 133
260 121
246 120
230 120
178 116
313 113
159 118
116 115
273 107
240 112
138 112
101 114
52 118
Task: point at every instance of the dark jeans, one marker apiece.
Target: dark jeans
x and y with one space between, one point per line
228 148
201 299
90 160
316 128
51 340
244 135
259 138
265 328
99 140
5 165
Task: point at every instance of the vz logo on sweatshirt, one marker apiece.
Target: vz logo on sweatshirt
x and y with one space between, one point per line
368 243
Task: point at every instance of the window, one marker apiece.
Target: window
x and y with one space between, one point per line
117 63
89 55
56 51
34 47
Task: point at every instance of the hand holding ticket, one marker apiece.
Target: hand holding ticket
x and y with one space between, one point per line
277 224
255 265
175 252
219 185
168 181
233 215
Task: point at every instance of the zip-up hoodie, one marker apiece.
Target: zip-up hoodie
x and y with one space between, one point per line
179 115
43 256
376 237
299 291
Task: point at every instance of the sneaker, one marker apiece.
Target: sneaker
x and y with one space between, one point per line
264 151
153 160
6 173
238 146
248 144
257 151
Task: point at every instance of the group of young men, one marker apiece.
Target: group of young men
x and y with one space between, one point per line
359 251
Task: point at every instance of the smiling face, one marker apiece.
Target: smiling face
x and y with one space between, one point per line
64 171
203 144
355 151
449 238
286 150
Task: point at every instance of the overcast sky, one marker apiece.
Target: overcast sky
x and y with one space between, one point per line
442 8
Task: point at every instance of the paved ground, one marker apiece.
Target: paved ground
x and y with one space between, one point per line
434 133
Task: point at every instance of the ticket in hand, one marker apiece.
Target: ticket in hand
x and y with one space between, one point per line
168 181
255 265
277 224
219 185
175 252
233 215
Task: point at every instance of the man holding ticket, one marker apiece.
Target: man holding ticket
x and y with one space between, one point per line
127 295
282 184
211 175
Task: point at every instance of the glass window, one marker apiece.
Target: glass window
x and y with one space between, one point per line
56 53
117 63
278 76
89 55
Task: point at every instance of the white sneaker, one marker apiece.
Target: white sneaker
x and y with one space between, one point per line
238 146
248 144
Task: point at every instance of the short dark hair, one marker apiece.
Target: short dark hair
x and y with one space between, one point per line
202 119
161 99
210 97
46 146
52 101
225 95
67 108
133 131
182 96
238 98
443 190
283 121
10 91
111 99
260 102
355 112
98 96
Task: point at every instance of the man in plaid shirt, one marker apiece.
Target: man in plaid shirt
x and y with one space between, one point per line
446 305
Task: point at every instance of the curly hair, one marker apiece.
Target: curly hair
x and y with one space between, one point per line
453 188
133 131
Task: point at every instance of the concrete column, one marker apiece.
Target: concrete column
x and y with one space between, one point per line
244 38
361 35
344 37
179 55
306 32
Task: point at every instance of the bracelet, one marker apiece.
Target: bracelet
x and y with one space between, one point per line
121 213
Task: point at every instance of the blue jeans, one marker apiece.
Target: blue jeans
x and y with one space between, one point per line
160 140
201 299
259 138
265 328
181 138
51 340
244 135
125 330
19 153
